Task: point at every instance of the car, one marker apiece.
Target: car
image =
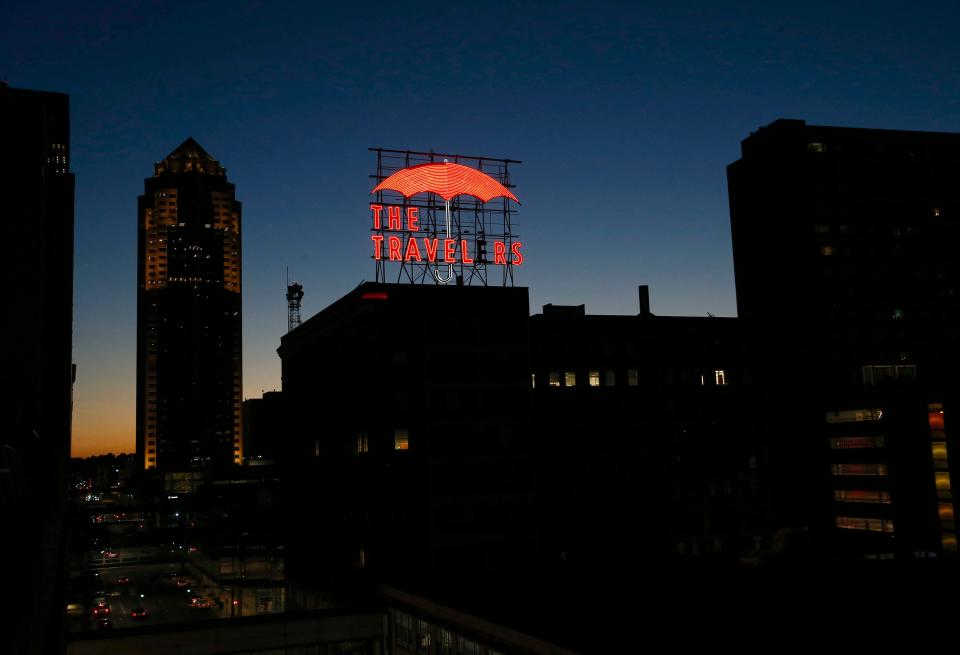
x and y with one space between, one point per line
101 611
111 554
139 613
200 602
182 582
123 580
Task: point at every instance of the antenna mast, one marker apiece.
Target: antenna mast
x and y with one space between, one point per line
294 296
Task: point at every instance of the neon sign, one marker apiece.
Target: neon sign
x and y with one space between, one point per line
394 247
401 233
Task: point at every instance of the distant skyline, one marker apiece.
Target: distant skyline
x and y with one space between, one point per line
624 114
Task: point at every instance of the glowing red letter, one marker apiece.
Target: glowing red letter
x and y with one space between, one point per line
431 252
413 251
393 218
449 250
394 248
517 255
463 252
412 219
499 253
377 213
377 245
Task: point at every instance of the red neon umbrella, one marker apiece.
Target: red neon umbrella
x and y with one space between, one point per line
447 181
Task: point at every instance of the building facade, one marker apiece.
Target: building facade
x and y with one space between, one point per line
38 190
189 365
844 253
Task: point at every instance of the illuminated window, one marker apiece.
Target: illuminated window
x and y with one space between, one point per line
569 379
859 469
936 211
854 416
844 443
594 378
868 524
362 562
946 511
362 444
609 378
827 251
821 229
401 439
815 147
939 449
720 376
942 480
949 541
861 496
533 380
935 418
633 379
316 448
554 379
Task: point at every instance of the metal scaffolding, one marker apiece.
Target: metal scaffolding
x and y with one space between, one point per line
480 224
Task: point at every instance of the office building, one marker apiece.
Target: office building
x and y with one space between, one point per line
844 247
188 320
37 188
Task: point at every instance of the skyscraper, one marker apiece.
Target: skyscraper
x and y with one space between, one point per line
37 272
844 244
188 319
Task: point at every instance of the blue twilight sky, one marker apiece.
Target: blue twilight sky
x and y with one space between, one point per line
624 114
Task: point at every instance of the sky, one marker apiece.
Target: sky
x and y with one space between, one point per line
625 116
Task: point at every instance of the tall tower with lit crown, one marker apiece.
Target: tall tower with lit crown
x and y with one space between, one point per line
189 370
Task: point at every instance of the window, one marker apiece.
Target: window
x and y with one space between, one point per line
946 511
362 560
869 524
939 449
362 443
827 251
844 443
446 642
949 541
404 627
594 378
821 229
401 439
860 469
860 496
609 378
467 647
942 480
815 147
533 380
633 379
936 211
854 416
554 380
569 379
876 373
720 376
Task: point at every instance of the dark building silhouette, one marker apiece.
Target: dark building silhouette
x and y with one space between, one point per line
650 442
188 319
263 427
442 433
37 188
844 252
409 439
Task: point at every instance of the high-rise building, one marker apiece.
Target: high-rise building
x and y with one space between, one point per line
845 254
188 319
37 272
